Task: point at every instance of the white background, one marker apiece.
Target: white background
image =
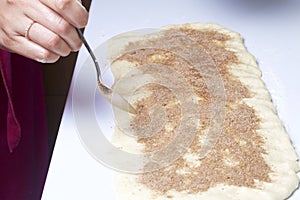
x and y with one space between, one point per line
270 28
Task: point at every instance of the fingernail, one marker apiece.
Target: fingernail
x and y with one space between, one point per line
60 4
80 3
41 60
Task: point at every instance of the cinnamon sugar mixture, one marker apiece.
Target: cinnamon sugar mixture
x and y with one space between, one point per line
237 158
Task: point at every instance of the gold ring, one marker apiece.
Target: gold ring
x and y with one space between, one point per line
26 35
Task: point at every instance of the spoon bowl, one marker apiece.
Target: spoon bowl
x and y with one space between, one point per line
106 91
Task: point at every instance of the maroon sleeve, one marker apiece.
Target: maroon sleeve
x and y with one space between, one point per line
23 135
12 123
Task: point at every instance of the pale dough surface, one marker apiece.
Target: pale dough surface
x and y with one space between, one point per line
281 156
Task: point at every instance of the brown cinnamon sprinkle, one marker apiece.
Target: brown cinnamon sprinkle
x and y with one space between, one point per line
237 158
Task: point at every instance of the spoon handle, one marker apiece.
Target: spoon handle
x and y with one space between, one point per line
87 46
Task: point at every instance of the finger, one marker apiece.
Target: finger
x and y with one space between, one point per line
20 28
54 22
47 39
29 49
13 40
71 10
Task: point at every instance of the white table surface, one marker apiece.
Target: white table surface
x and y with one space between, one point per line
271 29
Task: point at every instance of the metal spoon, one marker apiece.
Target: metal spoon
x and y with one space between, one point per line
114 98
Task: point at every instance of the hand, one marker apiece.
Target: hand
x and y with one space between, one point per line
42 30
